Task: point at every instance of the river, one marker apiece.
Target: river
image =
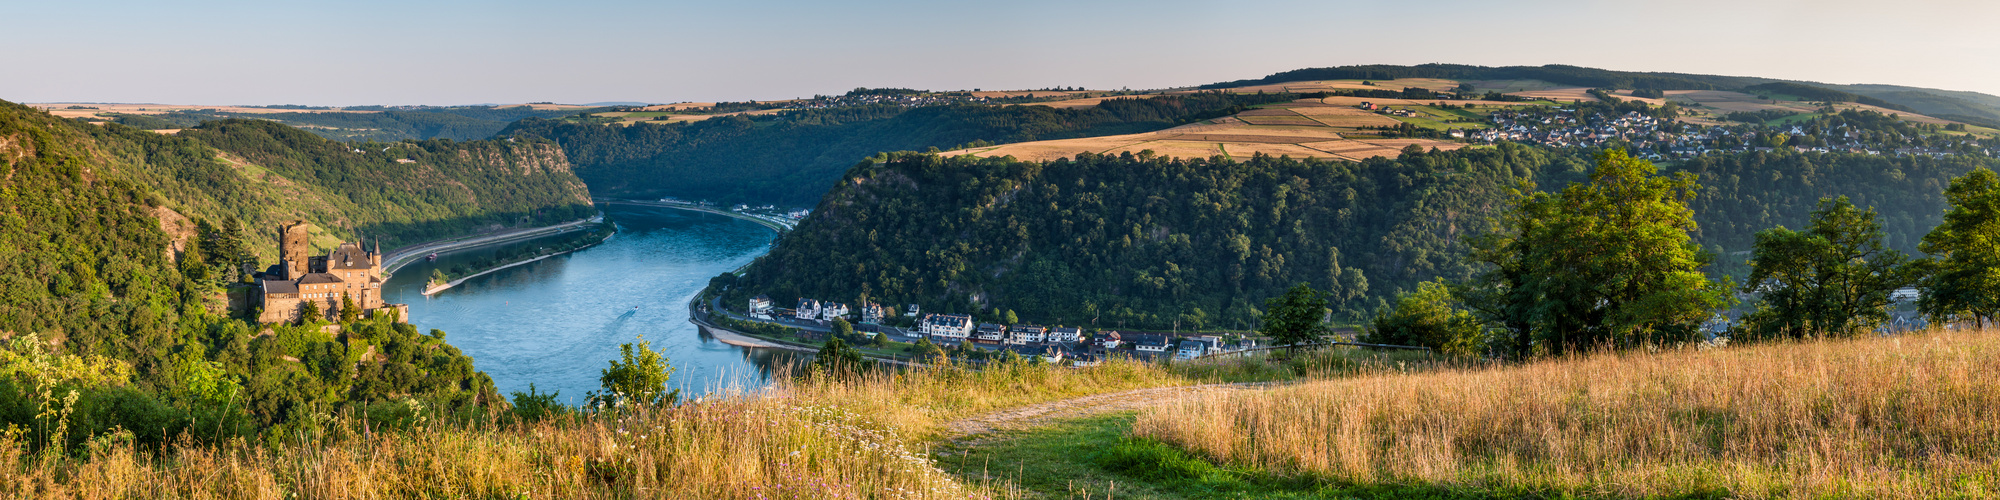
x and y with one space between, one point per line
558 322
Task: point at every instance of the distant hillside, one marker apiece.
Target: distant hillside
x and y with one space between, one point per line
1969 107
1556 73
793 156
358 123
398 192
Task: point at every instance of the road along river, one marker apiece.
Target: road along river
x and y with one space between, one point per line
557 322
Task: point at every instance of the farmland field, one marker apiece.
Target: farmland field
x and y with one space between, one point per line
1306 128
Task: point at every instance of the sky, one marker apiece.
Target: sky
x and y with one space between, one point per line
582 51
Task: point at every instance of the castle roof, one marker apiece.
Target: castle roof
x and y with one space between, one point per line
280 286
317 278
349 255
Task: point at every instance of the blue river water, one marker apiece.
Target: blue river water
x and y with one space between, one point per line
557 323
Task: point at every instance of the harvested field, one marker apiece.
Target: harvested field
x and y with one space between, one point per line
1723 102
1249 139
1505 86
1289 119
1356 101
1088 101
1267 112
1560 95
1176 149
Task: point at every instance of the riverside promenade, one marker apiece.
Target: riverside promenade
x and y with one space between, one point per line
396 259
776 224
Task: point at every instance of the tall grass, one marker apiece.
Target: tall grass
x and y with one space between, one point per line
1908 417
855 437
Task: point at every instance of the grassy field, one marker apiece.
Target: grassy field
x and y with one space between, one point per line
1901 417
857 438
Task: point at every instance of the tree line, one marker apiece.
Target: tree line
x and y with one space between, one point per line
1611 262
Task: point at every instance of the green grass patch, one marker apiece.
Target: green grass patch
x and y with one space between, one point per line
1098 458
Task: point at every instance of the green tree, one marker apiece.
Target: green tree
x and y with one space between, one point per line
640 379
348 311
1295 318
1427 318
1833 279
310 313
1603 263
842 329
924 349
1963 279
1010 317
838 359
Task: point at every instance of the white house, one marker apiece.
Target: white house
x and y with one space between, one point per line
955 326
1148 343
760 306
833 310
1027 334
1194 348
989 332
808 310
1109 340
1069 334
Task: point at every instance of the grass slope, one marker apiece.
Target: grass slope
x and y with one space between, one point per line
1896 417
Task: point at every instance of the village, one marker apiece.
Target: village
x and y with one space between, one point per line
1656 138
1067 345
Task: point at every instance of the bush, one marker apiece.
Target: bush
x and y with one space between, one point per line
1427 318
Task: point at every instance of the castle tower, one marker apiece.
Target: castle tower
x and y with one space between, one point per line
295 247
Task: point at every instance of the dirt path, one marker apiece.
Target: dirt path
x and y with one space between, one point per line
973 431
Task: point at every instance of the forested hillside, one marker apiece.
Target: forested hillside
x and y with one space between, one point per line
1157 242
114 304
259 173
369 123
794 157
399 192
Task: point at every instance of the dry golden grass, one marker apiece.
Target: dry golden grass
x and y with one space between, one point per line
854 439
1910 417
1560 95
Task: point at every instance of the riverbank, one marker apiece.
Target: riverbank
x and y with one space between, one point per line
742 339
775 225
396 259
434 289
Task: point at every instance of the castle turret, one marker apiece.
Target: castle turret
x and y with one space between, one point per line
295 248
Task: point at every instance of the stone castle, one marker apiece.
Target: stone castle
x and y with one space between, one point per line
349 271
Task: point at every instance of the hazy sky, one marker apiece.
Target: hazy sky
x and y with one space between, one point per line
439 52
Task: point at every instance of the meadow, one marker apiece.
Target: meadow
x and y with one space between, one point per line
1914 416
811 436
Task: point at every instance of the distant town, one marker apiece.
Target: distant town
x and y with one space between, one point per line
1068 345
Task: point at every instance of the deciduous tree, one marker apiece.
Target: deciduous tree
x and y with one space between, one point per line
1834 278
1964 270
1295 318
1603 263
